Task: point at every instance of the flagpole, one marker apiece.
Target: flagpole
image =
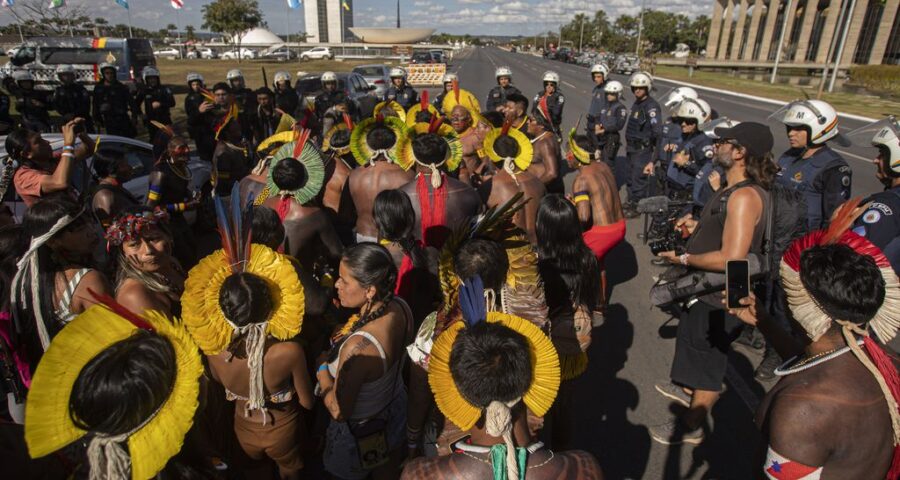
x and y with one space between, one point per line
129 21
288 8
178 32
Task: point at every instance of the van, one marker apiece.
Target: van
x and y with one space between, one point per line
41 56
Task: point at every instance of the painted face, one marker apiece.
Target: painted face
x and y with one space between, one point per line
350 292
150 251
460 119
179 150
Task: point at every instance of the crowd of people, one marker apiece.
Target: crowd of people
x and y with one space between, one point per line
407 289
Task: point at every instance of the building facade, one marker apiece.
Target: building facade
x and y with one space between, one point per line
328 21
749 30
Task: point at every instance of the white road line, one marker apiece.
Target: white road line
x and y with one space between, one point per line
858 157
569 84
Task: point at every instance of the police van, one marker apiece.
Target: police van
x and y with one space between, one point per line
41 56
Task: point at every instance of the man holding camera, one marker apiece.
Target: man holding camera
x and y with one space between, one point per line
730 227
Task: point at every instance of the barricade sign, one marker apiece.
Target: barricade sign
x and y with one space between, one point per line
425 74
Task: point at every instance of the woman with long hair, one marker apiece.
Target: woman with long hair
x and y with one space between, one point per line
148 276
361 379
110 197
12 387
54 274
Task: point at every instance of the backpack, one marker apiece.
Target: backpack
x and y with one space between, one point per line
785 222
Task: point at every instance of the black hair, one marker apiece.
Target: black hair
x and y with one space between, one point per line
430 149
12 246
341 138
267 227
221 86
485 258
490 362
124 384
583 141
761 169
541 120
105 161
395 219
17 143
289 174
493 117
845 285
245 298
423 116
519 100
264 91
372 266
569 269
506 146
381 138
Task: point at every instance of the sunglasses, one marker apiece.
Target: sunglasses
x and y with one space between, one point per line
682 121
727 141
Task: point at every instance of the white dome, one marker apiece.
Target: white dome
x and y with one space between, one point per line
259 37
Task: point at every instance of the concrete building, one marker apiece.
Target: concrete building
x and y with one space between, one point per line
748 31
327 21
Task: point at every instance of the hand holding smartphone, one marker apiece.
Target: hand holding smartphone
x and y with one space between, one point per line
737 282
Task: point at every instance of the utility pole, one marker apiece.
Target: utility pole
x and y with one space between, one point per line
637 47
581 35
787 9
840 52
398 13
834 38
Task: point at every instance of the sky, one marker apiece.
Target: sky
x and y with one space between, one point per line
499 17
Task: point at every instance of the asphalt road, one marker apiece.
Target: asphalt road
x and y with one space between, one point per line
615 401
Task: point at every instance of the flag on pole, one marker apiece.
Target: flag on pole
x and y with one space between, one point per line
57 3
344 4
294 3
123 3
7 3
177 4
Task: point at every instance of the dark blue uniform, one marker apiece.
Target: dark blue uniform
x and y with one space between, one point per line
699 148
497 96
112 103
702 189
598 104
613 117
406 96
438 101
880 223
144 99
670 133
641 135
288 101
326 100
6 121
74 101
199 125
555 103
34 106
823 179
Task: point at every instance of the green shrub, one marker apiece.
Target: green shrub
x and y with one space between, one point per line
883 79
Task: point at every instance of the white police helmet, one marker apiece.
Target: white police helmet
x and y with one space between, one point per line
614 86
194 77
282 76
503 72
398 72
23 76
601 69
641 80
818 117
329 77
887 138
696 109
105 65
448 78
550 76
149 72
709 128
234 74
678 95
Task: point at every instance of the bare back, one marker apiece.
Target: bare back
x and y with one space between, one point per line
502 187
336 174
252 184
574 464
366 183
545 163
308 232
472 163
462 205
598 181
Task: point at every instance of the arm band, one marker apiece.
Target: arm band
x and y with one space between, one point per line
581 198
151 195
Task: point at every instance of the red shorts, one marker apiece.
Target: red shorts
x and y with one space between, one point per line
602 238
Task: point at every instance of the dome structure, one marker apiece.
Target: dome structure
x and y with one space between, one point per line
391 35
258 37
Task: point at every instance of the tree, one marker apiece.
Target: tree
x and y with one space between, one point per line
36 18
189 30
232 17
171 27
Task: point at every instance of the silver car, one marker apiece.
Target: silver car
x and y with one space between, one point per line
377 75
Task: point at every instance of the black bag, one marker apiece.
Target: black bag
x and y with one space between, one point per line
699 282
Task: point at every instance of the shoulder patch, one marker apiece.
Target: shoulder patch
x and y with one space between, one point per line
845 181
871 216
652 113
562 99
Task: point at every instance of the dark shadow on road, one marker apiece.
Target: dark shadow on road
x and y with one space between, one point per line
621 265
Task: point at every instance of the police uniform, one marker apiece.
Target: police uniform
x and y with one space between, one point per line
497 96
406 96
74 101
34 106
681 180
823 179
112 102
6 121
199 126
703 191
642 131
613 117
145 97
555 103
265 124
288 101
670 134
880 224
598 104
246 102
326 100
438 101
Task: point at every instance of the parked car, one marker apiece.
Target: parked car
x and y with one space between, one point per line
245 54
376 75
438 56
205 52
281 54
138 154
422 57
167 52
353 84
627 64
317 53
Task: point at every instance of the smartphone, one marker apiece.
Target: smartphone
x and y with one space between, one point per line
737 282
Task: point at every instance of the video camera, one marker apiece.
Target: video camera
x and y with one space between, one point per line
661 234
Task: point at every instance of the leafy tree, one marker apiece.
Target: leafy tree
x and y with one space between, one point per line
189 30
232 17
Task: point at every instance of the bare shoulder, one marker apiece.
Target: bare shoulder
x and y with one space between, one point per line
579 464
285 351
136 297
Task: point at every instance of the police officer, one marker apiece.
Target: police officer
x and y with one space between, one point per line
32 104
670 134
496 99
610 122
331 95
6 121
641 133
599 72
711 176
154 101
693 151
71 99
286 97
198 110
810 167
245 99
112 103
400 91
880 223
447 82
555 99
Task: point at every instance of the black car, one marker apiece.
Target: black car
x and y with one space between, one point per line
354 86
422 57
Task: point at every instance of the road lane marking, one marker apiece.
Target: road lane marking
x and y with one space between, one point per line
569 84
859 157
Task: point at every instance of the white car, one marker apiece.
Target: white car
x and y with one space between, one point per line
317 53
167 52
246 53
205 53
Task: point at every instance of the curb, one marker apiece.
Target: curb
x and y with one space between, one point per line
759 99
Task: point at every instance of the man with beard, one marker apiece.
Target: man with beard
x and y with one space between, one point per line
154 101
267 118
112 104
199 109
499 95
545 164
71 99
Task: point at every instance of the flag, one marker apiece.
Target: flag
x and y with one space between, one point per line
57 3
123 3
294 3
177 4
7 3
344 4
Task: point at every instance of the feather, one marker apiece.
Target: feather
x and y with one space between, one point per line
208 95
117 308
237 229
300 141
471 301
166 129
435 124
544 109
247 234
505 129
348 122
224 230
455 87
423 101
379 118
842 220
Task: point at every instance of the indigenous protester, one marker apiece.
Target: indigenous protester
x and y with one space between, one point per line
336 153
484 371
17 377
463 114
113 103
374 143
361 379
118 390
148 277
731 226
553 101
255 182
32 104
244 328
845 298
499 95
153 101
422 112
596 197
110 197
198 107
441 203
54 274
231 157
516 112
71 99
268 117
545 163
41 170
